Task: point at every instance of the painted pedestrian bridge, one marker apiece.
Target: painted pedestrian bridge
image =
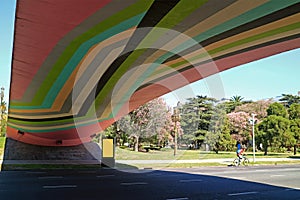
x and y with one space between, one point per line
80 65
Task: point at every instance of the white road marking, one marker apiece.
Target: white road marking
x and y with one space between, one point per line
36 172
262 170
236 177
59 186
277 170
277 175
88 172
289 189
156 174
241 193
190 180
135 183
290 169
104 176
182 198
50 177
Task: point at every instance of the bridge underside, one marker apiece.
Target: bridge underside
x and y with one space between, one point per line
80 65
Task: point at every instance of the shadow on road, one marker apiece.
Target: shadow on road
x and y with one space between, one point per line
106 183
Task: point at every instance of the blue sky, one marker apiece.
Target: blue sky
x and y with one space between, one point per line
262 79
7 11
265 78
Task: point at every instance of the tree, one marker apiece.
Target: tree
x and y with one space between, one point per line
3 117
294 111
234 102
239 125
295 129
237 99
289 99
258 107
145 122
275 131
195 118
218 135
277 109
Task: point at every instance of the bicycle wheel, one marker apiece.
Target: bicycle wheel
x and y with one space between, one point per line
236 162
246 161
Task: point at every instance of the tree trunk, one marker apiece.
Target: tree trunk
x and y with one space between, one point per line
295 149
136 144
266 150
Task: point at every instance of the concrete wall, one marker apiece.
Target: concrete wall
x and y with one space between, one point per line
15 150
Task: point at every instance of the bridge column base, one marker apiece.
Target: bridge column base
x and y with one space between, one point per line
16 152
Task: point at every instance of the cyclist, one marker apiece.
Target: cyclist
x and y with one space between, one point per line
240 150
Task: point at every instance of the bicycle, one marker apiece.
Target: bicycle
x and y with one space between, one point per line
238 161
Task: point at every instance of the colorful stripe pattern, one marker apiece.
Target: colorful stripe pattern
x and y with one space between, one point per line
79 65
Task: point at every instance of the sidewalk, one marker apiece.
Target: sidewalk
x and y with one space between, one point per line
131 162
222 161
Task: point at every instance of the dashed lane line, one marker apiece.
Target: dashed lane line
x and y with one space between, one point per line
277 175
134 183
190 180
50 177
242 193
58 186
104 176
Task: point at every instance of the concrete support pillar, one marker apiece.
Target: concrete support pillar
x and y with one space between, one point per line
18 152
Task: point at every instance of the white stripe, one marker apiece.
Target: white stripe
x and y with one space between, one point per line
103 176
276 175
183 198
50 177
237 177
157 174
242 193
35 172
190 180
59 186
135 183
289 189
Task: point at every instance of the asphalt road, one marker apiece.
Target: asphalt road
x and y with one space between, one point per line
271 182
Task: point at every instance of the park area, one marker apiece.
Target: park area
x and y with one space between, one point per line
197 158
2 141
165 157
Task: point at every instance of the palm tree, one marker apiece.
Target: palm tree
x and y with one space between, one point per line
289 99
234 102
236 99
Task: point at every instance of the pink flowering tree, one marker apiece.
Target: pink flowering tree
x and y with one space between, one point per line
239 125
151 120
258 107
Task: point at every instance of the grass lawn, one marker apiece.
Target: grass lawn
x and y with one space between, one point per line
168 154
2 141
163 154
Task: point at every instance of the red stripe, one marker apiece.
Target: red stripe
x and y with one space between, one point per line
40 25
